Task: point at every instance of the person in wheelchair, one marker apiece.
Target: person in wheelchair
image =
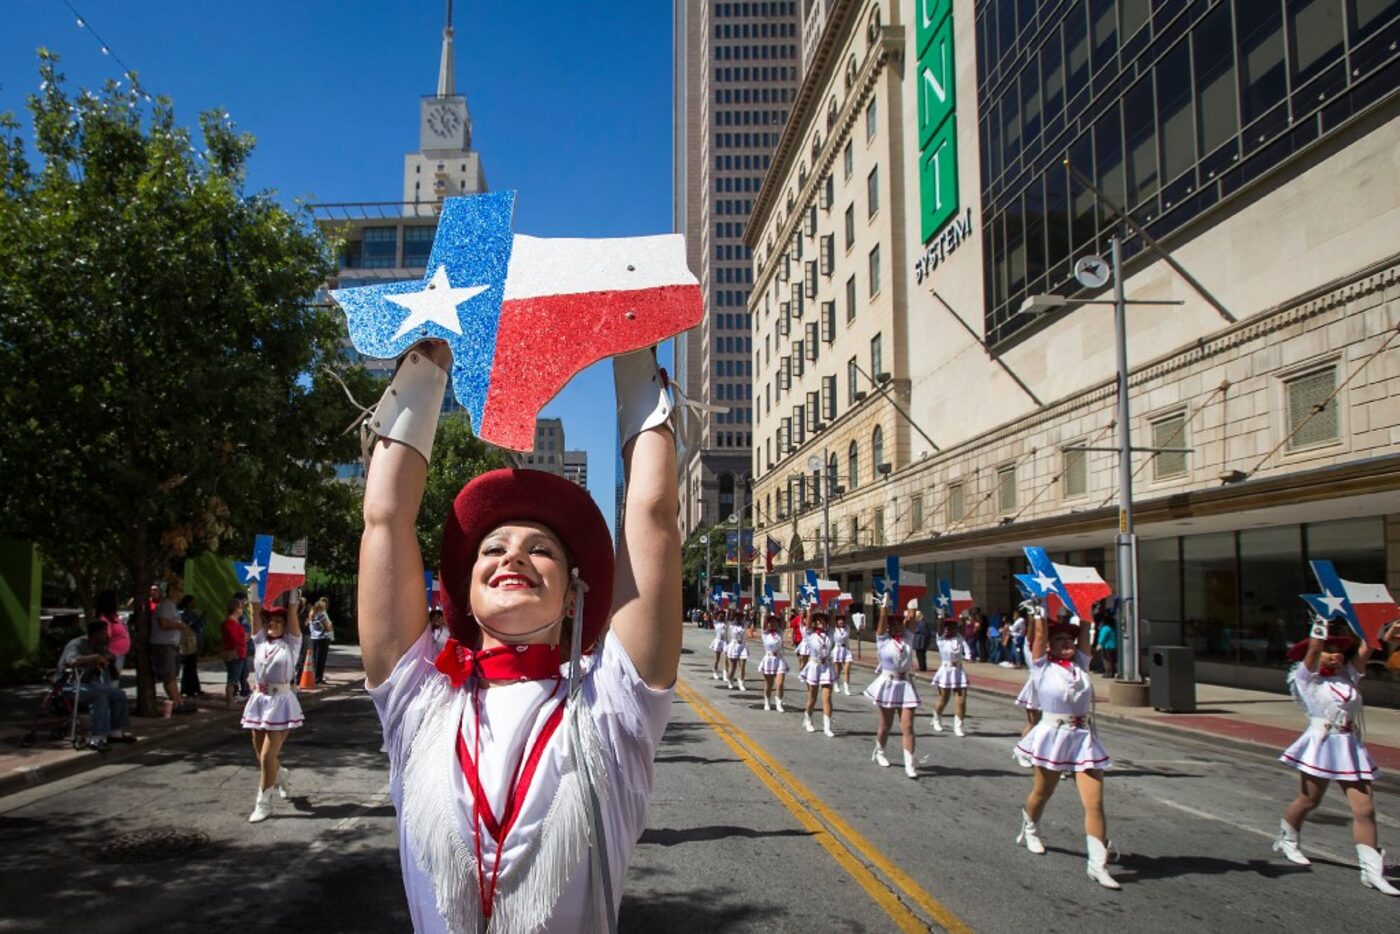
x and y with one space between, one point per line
96 693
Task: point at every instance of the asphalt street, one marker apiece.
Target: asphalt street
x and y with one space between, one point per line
755 825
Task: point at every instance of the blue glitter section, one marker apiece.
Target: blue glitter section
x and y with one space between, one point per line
262 555
473 242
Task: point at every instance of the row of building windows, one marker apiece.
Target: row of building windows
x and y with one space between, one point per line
729 230
731 368
1168 114
731 298
745 183
734 274
732 251
755 30
742 416
744 163
727 53
744 207
733 345
731 392
750 117
753 95
785 8
733 439
733 322
751 73
378 248
746 140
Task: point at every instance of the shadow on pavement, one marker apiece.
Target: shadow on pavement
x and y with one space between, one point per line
1169 867
697 760
665 836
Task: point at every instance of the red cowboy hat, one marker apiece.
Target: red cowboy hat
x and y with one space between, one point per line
502 496
1064 627
1335 642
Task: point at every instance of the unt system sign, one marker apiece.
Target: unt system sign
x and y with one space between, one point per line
938 138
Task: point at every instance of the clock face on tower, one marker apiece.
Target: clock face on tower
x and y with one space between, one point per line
444 120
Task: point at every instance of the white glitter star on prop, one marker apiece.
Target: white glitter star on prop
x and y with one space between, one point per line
1045 582
1334 603
254 571
436 303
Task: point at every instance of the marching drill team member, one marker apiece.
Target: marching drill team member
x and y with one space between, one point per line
817 673
1027 699
950 678
717 646
841 653
799 641
1324 683
272 709
773 667
1064 741
521 790
893 688
737 652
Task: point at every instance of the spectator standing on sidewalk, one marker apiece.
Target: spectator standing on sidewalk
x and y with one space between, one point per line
235 639
108 703
118 636
166 629
920 640
1017 642
190 641
1106 641
322 635
995 654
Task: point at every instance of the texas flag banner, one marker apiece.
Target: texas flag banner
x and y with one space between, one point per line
771 549
1367 608
274 574
953 602
904 585
781 601
1030 589
826 591
745 599
1079 588
843 601
523 314
433 586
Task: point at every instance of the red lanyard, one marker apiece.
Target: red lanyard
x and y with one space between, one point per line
519 787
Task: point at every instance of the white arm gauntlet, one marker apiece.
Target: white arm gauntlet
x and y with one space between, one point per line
642 400
409 410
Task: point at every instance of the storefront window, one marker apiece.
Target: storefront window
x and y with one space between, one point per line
1210 585
1159 592
1271 578
1356 547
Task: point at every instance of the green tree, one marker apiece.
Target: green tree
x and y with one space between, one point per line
693 564
458 456
162 361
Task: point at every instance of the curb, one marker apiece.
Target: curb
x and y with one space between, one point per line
79 761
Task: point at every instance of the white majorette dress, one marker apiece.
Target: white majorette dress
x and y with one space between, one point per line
272 706
1027 699
818 669
1064 740
1332 746
802 650
952 652
543 878
773 662
840 651
738 644
893 687
717 643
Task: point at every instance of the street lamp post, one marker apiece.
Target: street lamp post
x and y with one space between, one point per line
705 543
817 464
738 520
1125 540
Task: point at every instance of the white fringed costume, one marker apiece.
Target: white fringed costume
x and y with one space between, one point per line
737 643
893 686
272 706
773 662
1064 740
1332 746
818 669
718 642
952 652
840 650
544 875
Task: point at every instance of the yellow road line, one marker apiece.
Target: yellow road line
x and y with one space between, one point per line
802 802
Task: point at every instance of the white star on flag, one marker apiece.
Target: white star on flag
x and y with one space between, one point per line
1334 603
1045 582
943 601
254 571
437 304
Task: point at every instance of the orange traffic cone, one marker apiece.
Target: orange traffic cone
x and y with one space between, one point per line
308 678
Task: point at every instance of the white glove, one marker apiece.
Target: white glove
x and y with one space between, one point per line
642 400
408 411
1319 629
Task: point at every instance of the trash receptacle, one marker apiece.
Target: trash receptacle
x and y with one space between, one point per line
1172 669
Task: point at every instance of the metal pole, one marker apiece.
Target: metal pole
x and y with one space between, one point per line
826 519
709 584
1125 540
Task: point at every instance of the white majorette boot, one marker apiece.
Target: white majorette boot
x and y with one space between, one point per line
767 704
958 727
262 808
909 765
937 723
779 702
807 723
878 757
726 680
1373 869
826 725
740 682
714 675
284 782
846 687
1287 844
1029 835
1097 865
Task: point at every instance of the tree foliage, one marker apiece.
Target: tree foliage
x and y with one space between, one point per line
458 456
162 360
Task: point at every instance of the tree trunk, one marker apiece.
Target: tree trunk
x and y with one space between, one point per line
141 577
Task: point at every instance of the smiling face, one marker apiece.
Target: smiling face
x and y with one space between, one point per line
1062 645
1331 658
520 584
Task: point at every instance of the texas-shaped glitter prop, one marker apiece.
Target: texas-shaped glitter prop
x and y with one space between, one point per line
524 314
273 574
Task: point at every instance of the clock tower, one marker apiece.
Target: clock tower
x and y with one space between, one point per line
445 163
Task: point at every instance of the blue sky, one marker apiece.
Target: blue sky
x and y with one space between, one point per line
570 103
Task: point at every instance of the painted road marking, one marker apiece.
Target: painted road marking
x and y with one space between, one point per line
839 838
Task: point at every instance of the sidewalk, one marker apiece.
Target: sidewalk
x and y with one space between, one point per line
1262 722
53 758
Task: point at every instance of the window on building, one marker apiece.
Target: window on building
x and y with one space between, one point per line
877 450
877 357
829 397
1310 424
1006 489
956 503
1169 432
877 525
850 225
872 192
871 120
916 512
380 248
874 266
853 466
1075 479
852 385
853 527
850 299
848 160
417 246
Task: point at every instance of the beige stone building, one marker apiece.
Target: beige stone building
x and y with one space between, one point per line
918 199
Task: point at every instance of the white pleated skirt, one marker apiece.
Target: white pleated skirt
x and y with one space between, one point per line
1338 756
815 672
1060 748
885 691
272 712
773 665
950 677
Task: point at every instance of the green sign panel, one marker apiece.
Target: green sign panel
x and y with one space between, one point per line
938 157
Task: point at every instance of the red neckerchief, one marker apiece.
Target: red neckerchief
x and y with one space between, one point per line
1326 672
502 663
521 780
1065 663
